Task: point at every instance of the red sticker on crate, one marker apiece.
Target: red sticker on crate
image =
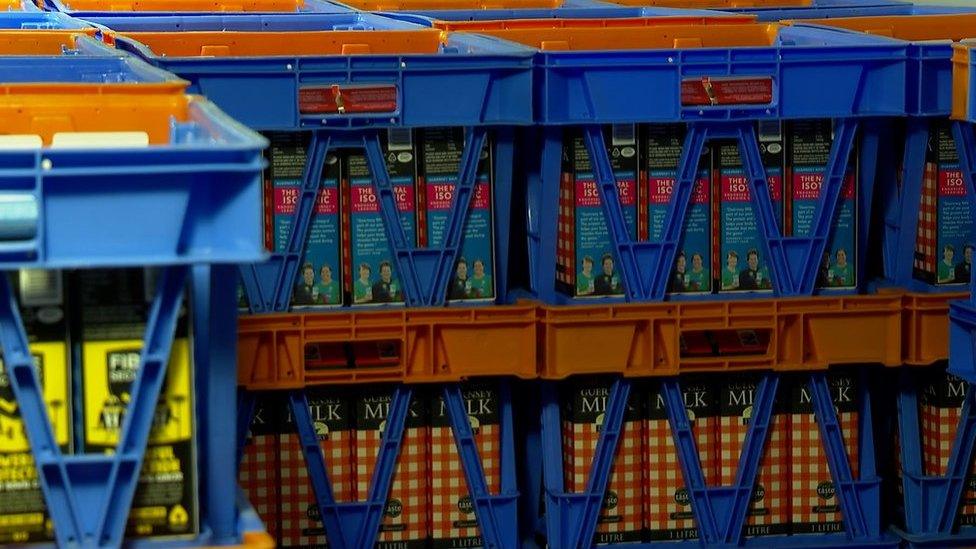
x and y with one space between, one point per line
753 90
337 99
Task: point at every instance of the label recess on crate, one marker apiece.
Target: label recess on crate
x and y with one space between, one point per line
754 90
338 99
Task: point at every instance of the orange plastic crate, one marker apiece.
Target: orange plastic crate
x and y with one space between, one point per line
415 345
244 44
484 27
41 42
962 108
955 27
187 5
719 32
768 334
46 109
926 327
715 4
296 350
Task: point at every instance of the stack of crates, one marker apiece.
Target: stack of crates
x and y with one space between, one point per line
378 196
112 423
565 273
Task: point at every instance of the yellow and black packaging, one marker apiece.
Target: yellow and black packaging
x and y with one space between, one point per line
23 515
114 310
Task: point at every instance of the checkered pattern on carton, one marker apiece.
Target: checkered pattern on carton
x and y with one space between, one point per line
448 484
809 468
773 473
664 476
926 237
260 480
409 485
579 450
940 422
566 231
297 494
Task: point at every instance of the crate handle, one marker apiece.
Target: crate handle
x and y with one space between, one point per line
356 49
215 51
727 342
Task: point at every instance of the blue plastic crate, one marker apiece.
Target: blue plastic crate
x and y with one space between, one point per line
929 97
160 196
479 73
356 524
79 58
606 87
39 20
931 502
105 161
570 518
599 83
489 82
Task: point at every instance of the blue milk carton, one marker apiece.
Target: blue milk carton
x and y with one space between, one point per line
692 272
473 275
318 283
809 149
371 272
944 240
740 251
585 261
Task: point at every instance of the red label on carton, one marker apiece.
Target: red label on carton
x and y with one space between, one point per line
951 183
756 90
327 202
337 99
364 200
807 186
735 188
440 196
587 193
285 200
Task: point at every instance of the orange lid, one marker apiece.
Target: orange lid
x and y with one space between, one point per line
955 27
513 24
240 44
415 5
715 4
639 38
46 110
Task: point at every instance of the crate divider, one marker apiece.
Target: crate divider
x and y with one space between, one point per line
719 511
87 495
962 314
353 525
931 502
794 260
426 271
215 347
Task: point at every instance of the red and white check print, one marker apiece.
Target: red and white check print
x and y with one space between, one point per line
664 476
773 474
566 231
448 485
259 478
926 237
297 495
939 426
409 485
626 476
809 468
